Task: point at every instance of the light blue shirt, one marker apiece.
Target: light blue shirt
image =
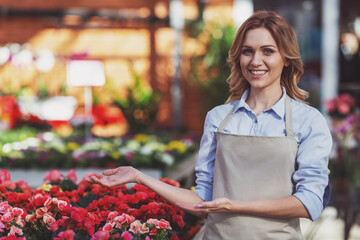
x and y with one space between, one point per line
310 130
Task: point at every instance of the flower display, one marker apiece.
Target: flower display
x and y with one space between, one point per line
62 209
49 150
344 118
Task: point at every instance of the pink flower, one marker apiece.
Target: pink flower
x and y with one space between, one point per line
138 228
22 184
343 107
71 175
67 235
2 226
129 156
330 105
48 202
53 176
153 221
346 98
62 205
126 236
15 230
8 217
20 221
48 220
40 212
4 207
108 227
163 224
30 217
4 175
9 184
100 235
123 218
17 211
112 215
55 201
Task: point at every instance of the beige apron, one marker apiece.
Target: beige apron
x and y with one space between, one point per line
253 168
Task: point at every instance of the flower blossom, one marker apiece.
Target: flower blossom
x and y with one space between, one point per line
71 175
138 228
126 236
101 235
15 230
53 176
67 235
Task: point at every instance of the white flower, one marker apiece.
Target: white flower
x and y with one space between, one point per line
167 159
4 55
23 58
45 60
132 145
146 150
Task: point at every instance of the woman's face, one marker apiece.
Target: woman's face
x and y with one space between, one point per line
260 60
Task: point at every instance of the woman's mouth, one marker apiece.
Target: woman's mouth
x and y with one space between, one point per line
257 73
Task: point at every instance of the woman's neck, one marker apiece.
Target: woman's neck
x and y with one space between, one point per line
259 100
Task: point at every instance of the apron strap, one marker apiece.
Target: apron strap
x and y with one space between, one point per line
227 119
288 117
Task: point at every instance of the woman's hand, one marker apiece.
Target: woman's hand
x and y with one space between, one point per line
217 205
117 176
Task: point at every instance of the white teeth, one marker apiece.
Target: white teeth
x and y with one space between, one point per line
258 72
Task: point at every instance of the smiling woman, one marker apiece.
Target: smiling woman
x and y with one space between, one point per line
263 158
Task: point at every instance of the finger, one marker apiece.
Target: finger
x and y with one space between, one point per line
93 179
109 172
209 204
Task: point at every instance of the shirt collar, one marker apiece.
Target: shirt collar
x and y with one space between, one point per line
278 107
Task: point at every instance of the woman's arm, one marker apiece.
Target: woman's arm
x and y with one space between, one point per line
123 175
288 207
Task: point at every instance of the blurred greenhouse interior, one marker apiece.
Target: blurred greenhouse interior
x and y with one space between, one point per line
89 85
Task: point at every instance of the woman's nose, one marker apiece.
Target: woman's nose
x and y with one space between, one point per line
256 59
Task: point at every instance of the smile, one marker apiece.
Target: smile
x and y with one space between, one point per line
258 72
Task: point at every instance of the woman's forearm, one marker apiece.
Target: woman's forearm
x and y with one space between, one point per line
278 208
169 192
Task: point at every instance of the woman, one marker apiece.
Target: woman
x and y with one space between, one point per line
263 156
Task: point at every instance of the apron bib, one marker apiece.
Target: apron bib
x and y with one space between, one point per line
251 168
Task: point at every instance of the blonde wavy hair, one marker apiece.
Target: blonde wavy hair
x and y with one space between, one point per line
287 44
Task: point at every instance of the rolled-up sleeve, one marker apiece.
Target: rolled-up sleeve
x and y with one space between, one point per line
312 174
205 163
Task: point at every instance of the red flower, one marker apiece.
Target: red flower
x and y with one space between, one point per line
154 208
174 237
179 221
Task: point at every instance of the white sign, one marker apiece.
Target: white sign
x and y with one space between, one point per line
85 73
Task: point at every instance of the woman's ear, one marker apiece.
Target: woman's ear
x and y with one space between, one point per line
286 63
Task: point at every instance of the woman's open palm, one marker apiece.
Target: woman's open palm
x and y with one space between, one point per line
116 176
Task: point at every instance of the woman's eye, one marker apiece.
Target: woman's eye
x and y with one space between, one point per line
246 51
268 51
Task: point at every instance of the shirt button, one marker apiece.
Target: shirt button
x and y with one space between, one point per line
255 121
